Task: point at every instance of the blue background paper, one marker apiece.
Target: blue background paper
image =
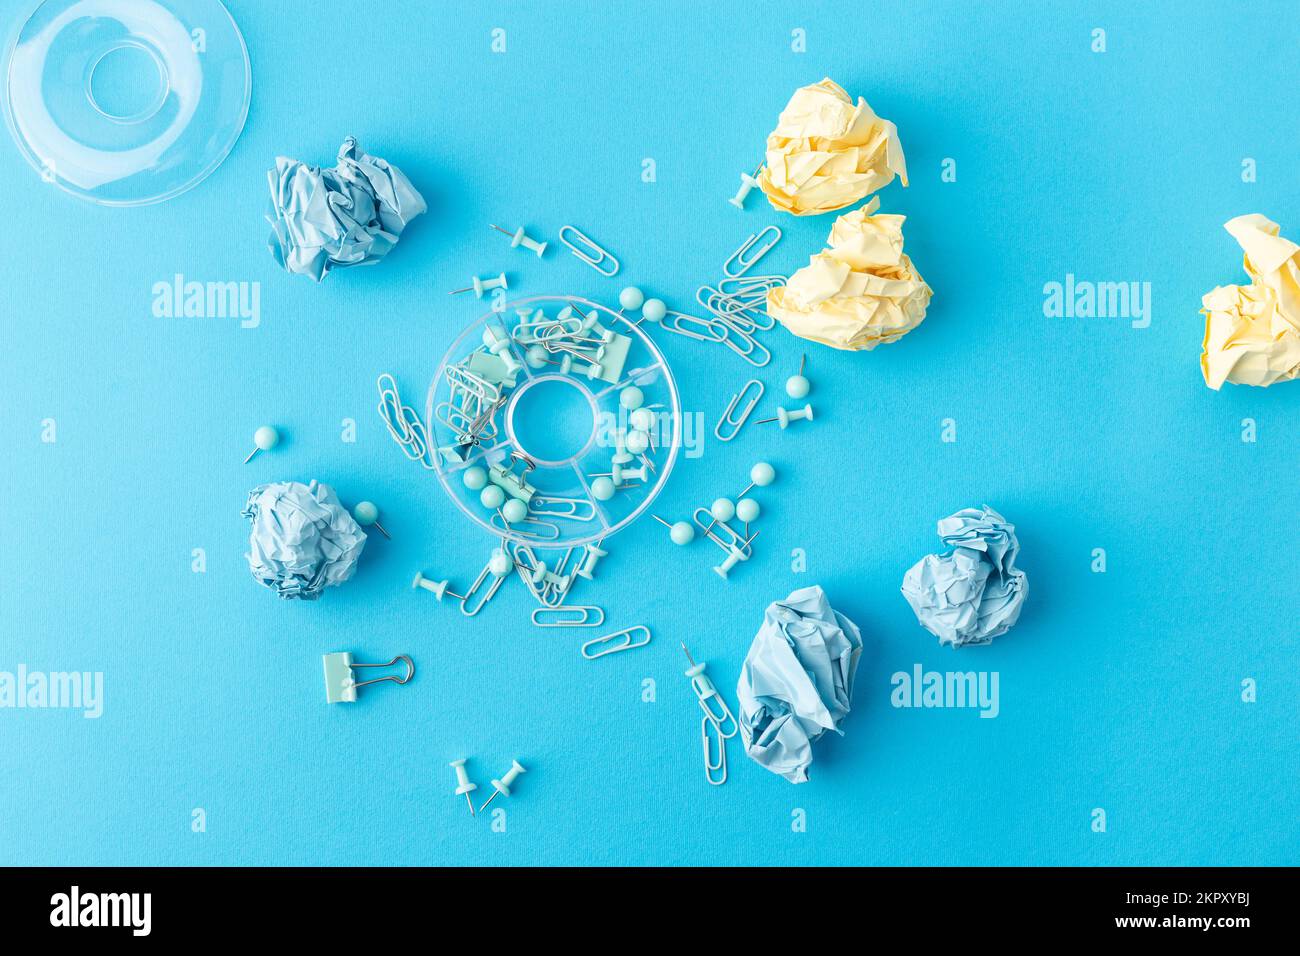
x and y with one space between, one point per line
1119 690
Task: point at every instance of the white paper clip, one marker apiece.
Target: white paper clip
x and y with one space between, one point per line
404 423
735 422
623 640
590 253
574 509
712 768
568 615
692 327
744 263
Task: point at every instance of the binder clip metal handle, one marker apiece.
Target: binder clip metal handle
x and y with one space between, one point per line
341 684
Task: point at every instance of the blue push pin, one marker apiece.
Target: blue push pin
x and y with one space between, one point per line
264 439
505 783
367 513
519 238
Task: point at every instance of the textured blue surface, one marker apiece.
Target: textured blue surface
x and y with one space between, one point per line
1119 690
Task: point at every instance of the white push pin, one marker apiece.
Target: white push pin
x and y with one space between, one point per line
680 532
518 238
367 513
499 344
463 783
652 311
483 285
438 588
785 417
734 557
760 476
505 783
590 560
747 182
798 386
264 439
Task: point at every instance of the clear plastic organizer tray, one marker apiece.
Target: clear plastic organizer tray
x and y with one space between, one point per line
126 102
534 398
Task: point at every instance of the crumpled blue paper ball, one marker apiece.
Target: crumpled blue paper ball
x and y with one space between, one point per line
797 681
973 593
302 539
351 215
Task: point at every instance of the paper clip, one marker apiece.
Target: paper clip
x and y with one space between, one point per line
341 684
590 253
477 586
711 766
756 348
736 423
682 324
705 693
744 264
404 424
545 530
626 639
735 540
753 288
569 615
543 506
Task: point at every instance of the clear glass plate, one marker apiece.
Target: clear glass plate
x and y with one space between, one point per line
127 102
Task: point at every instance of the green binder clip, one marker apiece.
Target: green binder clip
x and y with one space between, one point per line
340 683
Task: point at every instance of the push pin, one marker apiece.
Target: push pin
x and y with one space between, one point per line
590 560
483 285
367 513
514 511
630 298
518 238
747 182
499 345
492 497
637 442
602 489
631 398
505 783
475 478
438 588
785 417
760 476
264 439
747 510
680 532
734 557
463 783
341 684
798 386
652 311
706 692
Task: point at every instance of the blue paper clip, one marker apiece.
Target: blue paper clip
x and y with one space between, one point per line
590 253
744 263
623 640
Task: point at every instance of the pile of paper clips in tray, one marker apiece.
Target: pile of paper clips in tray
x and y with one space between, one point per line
735 306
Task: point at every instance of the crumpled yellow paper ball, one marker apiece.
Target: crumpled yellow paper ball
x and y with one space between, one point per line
1252 332
826 153
859 293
